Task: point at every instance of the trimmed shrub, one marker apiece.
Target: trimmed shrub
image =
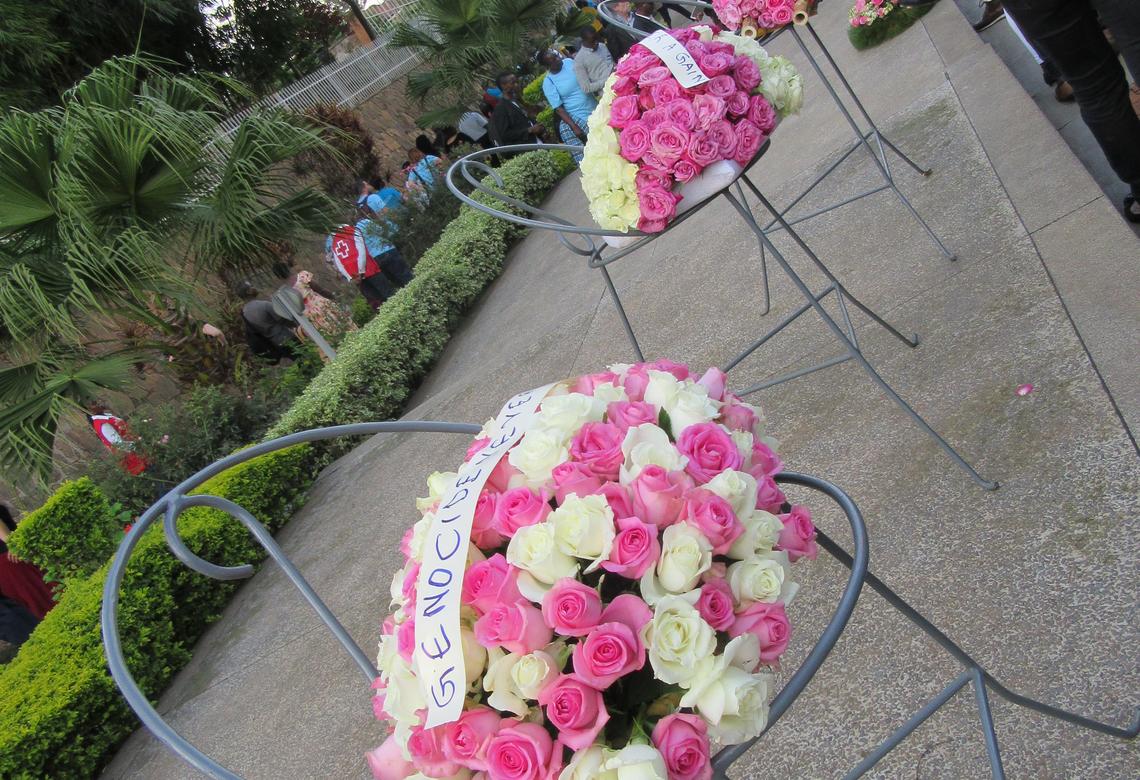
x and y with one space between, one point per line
72 534
897 21
379 366
61 715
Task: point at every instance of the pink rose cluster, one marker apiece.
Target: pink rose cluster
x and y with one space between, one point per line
673 133
581 553
761 16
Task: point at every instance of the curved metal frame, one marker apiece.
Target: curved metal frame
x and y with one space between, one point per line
170 505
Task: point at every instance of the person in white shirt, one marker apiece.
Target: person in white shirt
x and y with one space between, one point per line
593 63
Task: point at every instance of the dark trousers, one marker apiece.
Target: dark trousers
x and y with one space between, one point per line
394 268
1067 33
376 289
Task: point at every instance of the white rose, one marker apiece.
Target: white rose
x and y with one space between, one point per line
474 657
419 535
532 673
677 638
587 765
705 32
646 445
404 695
637 762
584 528
743 442
685 555
737 488
536 455
703 694
662 388
438 484
462 774
691 406
735 704
534 549
608 393
761 532
388 650
567 413
498 682
764 578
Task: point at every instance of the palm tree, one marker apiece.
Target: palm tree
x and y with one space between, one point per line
126 194
466 42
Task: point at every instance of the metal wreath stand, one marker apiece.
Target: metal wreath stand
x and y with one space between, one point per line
476 172
171 505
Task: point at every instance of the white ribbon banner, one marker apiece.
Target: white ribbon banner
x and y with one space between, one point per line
438 653
677 58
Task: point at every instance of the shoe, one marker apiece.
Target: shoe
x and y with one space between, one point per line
1131 209
1050 73
992 12
1063 91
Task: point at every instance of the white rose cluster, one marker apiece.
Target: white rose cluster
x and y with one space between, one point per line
608 179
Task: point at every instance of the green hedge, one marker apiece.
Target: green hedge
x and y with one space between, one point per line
61 715
897 21
379 366
72 534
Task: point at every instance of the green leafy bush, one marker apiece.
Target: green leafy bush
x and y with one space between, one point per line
72 534
379 366
61 715
897 21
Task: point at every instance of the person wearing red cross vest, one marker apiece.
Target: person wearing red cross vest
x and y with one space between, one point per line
113 432
346 251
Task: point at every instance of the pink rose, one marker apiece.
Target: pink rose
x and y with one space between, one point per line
681 113
587 384
465 740
769 623
769 497
476 445
651 177
782 14
767 20
685 34
654 75
696 49
577 478
406 639
518 627
636 376
737 104
645 98
658 495
629 414
618 497
685 170
489 582
724 134
652 160
597 446
624 110
764 461
657 205
635 548
665 91
749 139
712 516
639 60
709 449
654 117
378 700
730 14
668 141
709 109
426 749
761 114
387 761
715 64
501 475
715 604
683 741
629 610
571 608
406 542
610 651
721 47
702 149
518 508
745 73
408 588
522 752
714 381
722 87
624 85
738 418
575 709
483 531
797 538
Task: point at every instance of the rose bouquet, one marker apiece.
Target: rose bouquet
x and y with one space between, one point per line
757 18
624 595
653 142
867 12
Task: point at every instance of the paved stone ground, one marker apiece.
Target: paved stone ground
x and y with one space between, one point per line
1036 579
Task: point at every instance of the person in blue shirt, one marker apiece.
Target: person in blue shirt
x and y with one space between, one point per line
377 234
570 103
424 167
378 195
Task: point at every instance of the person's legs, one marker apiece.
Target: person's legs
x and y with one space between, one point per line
1066 32
376 289
569 138
393 267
